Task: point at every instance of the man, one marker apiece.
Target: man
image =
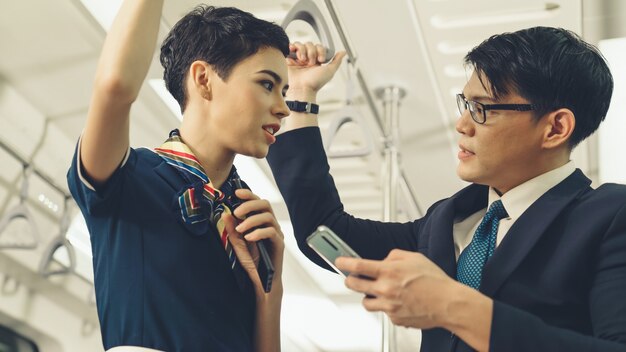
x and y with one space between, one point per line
528 257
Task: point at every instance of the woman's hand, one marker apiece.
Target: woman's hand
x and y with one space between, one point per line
258 218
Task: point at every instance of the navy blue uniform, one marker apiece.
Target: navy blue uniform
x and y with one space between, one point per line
160 283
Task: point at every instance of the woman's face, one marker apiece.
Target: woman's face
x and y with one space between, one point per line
247 107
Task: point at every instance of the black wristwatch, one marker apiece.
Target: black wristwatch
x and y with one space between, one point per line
302 106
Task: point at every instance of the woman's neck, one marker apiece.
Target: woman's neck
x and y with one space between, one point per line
215 160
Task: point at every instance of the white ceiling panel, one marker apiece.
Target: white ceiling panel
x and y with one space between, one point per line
66 89
38 34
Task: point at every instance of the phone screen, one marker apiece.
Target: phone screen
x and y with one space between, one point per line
329 246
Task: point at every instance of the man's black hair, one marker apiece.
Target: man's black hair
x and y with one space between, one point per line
552 68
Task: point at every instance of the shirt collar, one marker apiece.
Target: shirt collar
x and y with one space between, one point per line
520 198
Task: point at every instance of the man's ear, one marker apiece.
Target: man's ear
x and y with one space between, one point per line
559 128
201 73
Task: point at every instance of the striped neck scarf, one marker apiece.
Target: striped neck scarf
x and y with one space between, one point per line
201 202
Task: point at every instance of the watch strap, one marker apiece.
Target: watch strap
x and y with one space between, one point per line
303 106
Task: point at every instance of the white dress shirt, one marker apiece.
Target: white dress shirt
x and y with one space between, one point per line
132 349
515 201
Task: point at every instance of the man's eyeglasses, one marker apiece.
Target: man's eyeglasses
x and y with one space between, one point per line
478 111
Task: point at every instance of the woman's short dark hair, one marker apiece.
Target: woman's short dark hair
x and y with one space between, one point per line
220 36
552 68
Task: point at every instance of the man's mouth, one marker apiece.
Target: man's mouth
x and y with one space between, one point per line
464 153
465 150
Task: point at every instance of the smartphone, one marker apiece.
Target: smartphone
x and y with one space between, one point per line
330 247
264 268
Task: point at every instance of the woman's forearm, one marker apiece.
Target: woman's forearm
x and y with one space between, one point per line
267 329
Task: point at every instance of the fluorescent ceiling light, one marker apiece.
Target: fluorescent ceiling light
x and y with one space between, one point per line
103 11
611 142
451 48
275 15
507 16
455 71
48 203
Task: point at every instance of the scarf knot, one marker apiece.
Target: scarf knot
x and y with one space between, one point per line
199 203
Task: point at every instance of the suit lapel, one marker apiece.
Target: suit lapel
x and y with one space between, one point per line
441 240
527 230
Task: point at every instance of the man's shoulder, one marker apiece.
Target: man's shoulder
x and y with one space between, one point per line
609 192
608 199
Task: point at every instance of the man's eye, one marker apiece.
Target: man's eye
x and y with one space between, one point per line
269 85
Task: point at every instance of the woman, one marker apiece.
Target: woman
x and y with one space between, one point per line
161 221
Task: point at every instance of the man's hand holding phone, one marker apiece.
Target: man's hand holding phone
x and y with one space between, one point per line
331 247
409 288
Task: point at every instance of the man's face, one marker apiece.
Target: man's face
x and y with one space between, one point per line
249 104
506 150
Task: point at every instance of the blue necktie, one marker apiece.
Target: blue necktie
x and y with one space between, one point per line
474 257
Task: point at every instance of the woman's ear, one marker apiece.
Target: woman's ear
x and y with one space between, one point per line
201 73
559 129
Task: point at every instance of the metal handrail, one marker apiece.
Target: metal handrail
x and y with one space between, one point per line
307 11
352 60
59 241
21 211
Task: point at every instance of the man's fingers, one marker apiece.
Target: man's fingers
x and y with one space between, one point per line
376 305
365 267
321 53
336 61
311 53
300 50
360 284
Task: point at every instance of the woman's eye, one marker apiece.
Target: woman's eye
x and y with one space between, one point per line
269 85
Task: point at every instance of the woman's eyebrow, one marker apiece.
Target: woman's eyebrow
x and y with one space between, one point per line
274 75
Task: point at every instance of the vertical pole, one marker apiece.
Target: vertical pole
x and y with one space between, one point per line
391 97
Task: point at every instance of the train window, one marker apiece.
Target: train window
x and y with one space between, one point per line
11 341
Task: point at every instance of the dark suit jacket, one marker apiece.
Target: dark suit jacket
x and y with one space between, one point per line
558 278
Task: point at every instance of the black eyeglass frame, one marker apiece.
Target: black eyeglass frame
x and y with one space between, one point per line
463 104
